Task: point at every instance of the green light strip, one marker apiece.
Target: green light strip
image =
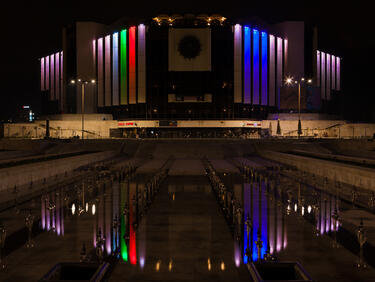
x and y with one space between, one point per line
123 68
124 247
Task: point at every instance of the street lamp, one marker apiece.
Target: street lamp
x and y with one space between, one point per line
290 81
83 84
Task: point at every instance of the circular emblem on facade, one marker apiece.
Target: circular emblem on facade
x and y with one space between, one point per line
189 47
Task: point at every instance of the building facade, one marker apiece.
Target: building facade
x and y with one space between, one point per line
187 67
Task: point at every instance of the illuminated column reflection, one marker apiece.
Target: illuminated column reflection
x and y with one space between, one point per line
123 227
132 218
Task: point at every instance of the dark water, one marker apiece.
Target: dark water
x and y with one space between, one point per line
183 235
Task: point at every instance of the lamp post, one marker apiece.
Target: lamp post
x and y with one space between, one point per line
83 84
291 81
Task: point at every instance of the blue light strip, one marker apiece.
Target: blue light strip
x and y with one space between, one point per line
247 65
255 219
264 68
247 212
264 220
255 67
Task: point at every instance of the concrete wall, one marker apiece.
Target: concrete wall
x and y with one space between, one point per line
321 128
352 175
24 174
60 129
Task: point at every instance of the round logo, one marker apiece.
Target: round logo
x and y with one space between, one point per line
189 47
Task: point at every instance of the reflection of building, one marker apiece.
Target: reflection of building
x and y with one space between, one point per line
183 67
268 220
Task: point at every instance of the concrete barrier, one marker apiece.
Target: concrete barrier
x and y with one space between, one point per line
348 174
24 174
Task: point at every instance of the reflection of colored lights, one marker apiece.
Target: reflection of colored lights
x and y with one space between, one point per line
73 209
157 267
295 207
209 264
142 262
93 209
124 247
87 207
303 211
309 209
170 265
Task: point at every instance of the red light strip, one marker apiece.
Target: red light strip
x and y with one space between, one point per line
132 65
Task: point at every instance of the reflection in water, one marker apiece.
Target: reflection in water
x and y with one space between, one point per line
124 212
132 222
267 223
52 212
324 214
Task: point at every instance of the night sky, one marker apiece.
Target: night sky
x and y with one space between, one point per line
32 29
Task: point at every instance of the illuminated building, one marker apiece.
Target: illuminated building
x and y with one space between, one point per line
188 68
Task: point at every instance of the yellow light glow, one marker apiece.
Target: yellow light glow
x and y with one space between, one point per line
157 268
93 209
289 80
170 265
72 81
222 266
93 81
309 81
209 264
173 196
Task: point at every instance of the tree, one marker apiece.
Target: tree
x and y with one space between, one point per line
299 128
278 130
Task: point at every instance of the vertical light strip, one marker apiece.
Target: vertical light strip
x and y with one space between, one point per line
42 73
141 63
279 69
264 219
115 213
108 221
256 223
333 72
115 90
52 76
264 43
62 93
272 71
107 62
328 75
123 246
237 63
132 218
338 74
285 57
318 68
123 68
57 76
256 66
247 213
247 65
47 73
94 73
100 74
323 76
132 65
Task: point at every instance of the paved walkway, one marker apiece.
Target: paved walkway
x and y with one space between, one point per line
183 237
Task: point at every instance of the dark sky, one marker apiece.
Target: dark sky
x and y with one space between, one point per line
32 29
